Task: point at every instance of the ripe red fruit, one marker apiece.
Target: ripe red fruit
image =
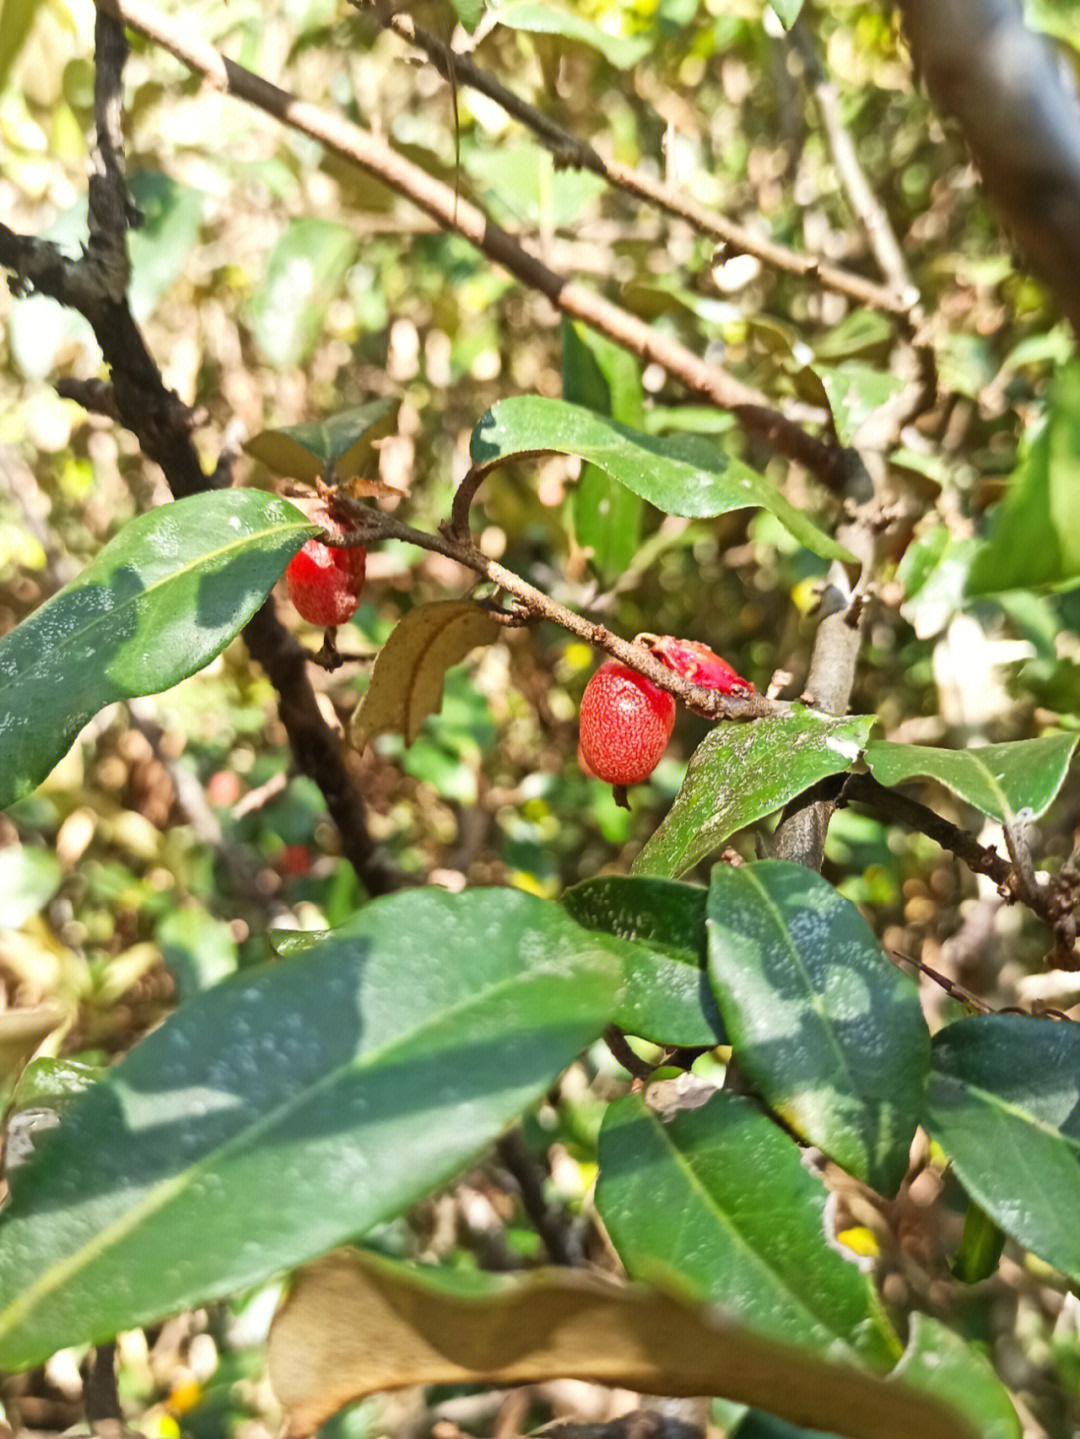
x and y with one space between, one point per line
697 663
325 581
625 725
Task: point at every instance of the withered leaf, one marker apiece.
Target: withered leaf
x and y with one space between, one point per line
356 1324
407 680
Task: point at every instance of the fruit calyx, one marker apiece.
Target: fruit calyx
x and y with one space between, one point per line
696 662
625 724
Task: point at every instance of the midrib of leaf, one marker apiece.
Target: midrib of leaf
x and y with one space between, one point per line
759 1262
999 793
110 617
813 996
170 1189
994 1102
413 680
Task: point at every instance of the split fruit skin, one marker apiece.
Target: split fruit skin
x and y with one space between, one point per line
324 581
625 724
697 663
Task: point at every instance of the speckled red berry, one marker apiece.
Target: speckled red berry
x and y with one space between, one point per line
625 725
324 581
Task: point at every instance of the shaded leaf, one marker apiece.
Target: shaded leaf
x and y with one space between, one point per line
853 390
293 1107
603 377
541 19
826 1029
937 1360
787 11
1034 538
680 474
742 772
354 1324
158 603
999 779
666 997
304 271
1004 1104
407 679
160 247
750 1230
343 443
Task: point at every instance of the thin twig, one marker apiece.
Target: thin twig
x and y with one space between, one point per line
568 150
373 154
371 526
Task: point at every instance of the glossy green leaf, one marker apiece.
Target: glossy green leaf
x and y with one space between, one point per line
825 1028
999 779
1034 538
666 997
305 269
29 877
680 474
716 1203
980 1247
1004 1104
342 443
742 772
937 1360
540 19
158 603
603 377
293 1107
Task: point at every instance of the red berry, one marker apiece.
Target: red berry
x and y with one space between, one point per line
625 725
697 663
325 581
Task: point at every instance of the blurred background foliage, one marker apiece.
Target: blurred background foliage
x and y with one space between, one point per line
276 285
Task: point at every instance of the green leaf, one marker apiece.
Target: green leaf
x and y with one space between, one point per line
742 772
16 18
666 997
680 474
29 878
853 390
343 443
1004 1104
825 1028
939 1362
999 779
787 12
160 247
469 13
1034 538
159 602
604 378
980 1247
305 269
293 1107
749 1228
539 19
198 950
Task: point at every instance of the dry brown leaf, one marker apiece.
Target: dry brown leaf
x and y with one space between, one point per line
407 681
353 1324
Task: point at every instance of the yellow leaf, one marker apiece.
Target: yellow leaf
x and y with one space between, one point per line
354 1324
407 681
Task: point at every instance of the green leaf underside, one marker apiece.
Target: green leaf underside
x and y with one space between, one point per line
344 441
679 474
749 1228
742 772
998 779
829 1033
540 19
159 602
1034 539
939 1361
292 1108
666 997
1004 1104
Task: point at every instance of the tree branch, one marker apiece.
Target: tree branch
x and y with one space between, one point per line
453 213
570 151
